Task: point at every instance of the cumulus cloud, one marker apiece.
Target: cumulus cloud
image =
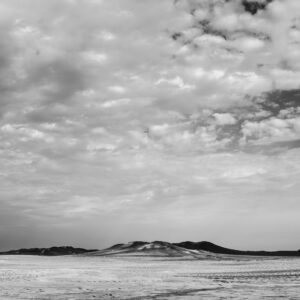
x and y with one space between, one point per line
224 119
271 130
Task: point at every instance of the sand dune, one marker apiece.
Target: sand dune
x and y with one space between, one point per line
156 248
196 250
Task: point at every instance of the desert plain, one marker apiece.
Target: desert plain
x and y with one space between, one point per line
103 277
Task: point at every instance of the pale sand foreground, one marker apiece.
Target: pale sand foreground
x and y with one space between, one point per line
33 277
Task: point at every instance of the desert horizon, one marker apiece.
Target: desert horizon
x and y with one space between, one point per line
202 245
149 149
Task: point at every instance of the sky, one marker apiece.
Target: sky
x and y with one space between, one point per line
169 120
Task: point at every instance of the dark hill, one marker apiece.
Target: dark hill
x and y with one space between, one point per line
200 250
53 251
207 246
153 249
210 247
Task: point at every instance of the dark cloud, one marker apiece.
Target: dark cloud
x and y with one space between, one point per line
61 80
253 6
279 100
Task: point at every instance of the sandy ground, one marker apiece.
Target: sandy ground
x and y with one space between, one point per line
34 277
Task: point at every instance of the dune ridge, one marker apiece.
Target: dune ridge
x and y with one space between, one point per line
198 250
155 248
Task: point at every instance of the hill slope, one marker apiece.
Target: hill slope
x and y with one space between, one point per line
198 250
207 246
53 251
156 248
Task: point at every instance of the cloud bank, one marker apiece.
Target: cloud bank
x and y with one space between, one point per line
136 120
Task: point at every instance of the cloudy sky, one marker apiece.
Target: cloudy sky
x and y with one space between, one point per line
167 120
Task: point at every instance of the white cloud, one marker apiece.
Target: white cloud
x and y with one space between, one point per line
107 36
272 130
224 119
116 102
176 82
25 133
285 79
117 89
96 57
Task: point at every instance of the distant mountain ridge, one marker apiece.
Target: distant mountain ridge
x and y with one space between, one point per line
208 246
197 250
52 251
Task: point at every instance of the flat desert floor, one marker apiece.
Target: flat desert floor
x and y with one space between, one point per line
75 277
